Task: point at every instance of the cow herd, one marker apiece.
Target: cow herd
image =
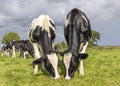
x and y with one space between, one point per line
42 34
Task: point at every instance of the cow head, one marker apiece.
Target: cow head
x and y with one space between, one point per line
71 63
51 64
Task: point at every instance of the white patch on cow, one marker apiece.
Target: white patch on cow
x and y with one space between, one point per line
66 60
81 46
25 53
84 48
37 55
35 69
2 46
81 68
40 49
53 44
54 61
85 19
36 51
66 22
46 24
14 55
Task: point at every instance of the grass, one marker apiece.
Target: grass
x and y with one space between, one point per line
102 68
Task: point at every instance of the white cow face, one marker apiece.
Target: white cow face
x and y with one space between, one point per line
51 64
71 63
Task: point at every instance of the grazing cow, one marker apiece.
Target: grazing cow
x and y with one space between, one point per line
42 35
6 50
22 45
77 32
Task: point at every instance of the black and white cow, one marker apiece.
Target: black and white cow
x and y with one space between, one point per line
77 32
22 45
5 50
42 35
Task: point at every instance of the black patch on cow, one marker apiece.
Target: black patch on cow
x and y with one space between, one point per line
66 34
46 42
52 33
37 33
83 56
52 23
38 61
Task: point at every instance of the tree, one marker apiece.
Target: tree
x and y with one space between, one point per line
10 37
94 39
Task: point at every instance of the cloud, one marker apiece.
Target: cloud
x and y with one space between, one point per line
17 15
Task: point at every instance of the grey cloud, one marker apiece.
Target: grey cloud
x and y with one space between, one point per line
17 15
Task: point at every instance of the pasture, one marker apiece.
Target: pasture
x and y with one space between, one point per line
102 68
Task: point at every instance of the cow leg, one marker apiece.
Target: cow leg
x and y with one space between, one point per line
36 55
13 49
43 64
21 52
81 68
25 52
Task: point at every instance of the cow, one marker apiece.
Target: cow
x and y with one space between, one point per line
77 32
22 45
5 50
42 35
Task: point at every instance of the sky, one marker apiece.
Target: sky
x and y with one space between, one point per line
104 15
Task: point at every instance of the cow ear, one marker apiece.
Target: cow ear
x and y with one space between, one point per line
38 61
83 56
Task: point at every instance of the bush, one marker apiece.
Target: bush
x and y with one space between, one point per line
10 36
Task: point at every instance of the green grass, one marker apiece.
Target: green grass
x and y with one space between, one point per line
102 68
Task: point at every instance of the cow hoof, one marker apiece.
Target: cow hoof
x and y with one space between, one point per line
82 73
35 72
67 78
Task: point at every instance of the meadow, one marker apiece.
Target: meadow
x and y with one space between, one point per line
102 68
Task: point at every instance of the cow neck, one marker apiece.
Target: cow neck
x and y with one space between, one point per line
73 41
46 43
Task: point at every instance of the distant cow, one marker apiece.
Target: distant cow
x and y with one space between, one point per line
77 33
42 35
5 50
22 45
